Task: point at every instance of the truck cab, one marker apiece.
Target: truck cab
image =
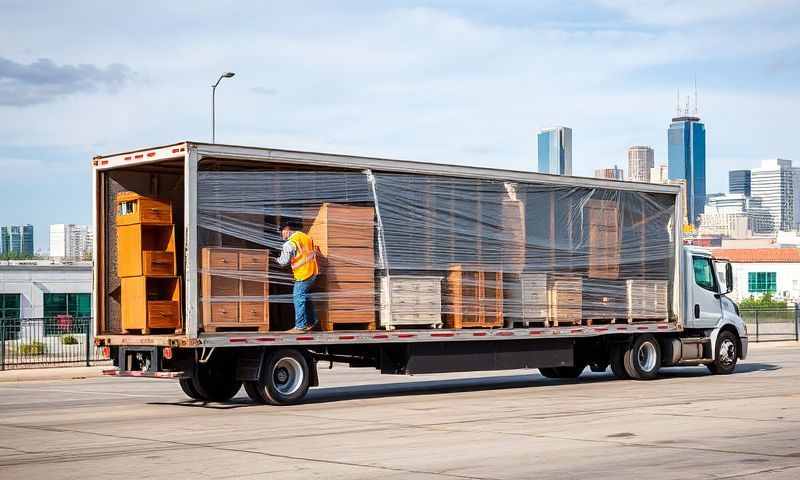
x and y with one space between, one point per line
707 309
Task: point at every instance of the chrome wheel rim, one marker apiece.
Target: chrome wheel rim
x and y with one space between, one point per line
287 376
727 352
647 356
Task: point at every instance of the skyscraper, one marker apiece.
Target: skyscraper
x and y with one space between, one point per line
739 182
555 150
69 241
16 240
613 173
774 184
686 152
640 160
659 174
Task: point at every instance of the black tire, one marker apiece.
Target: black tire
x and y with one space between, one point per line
643 358
188 388
254 392
284 378
617 361
215 380
726 354
548 372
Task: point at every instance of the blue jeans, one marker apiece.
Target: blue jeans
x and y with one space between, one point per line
304 314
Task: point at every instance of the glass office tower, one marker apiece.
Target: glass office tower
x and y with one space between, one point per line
686 152
739 182
555 151
16 240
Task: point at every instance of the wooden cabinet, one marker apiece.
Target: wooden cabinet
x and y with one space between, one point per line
150 290
150 302
234 288
411 300
647 300
133 209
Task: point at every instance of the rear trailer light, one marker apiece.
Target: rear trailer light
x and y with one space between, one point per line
107 353
167 353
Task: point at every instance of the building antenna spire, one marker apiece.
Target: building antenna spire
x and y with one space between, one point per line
696 111
678 104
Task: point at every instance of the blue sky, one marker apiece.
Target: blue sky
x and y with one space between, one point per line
465 82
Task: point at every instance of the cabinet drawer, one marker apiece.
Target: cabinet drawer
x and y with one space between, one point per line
254 289
158 263
227 312
253 260
252 312
154 212
219 259
224 286
163 314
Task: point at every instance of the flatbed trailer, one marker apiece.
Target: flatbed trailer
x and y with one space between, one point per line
701 325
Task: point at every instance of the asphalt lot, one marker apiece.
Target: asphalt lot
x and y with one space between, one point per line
359 424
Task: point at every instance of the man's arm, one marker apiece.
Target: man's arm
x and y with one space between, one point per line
287 252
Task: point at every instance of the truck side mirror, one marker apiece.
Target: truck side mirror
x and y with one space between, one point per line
728 277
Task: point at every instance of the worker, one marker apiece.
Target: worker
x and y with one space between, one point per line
299 250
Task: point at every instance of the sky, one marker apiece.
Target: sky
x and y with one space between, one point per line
465 82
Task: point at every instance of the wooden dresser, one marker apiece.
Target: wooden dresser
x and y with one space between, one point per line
234 289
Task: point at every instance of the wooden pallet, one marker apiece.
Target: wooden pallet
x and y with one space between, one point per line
473 299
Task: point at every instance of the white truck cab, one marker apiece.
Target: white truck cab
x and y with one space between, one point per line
708 311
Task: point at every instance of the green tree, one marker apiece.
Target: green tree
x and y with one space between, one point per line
763 302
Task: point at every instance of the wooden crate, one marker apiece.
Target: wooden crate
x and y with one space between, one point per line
647 300
564 298
234 285
534 300
411 300
345 289
604 301
604 238
473 298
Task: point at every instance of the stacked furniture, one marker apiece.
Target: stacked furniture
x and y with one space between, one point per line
411 300
535 303
343 235
647 300
473 297
146 264
564 297
234 288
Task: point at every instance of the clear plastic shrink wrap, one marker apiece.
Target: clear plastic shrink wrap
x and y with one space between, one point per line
429 251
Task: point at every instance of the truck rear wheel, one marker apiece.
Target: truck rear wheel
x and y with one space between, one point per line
643 358
215 380
284 379
725 355
187 385
617 361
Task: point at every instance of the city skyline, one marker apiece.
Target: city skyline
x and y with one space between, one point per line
414 86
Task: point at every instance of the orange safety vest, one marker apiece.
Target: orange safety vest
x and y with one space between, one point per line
304 261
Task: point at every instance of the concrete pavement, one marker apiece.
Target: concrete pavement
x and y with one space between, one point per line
359 424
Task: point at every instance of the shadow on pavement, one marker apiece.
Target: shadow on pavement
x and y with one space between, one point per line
430 387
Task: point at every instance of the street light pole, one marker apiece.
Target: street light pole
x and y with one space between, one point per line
213 105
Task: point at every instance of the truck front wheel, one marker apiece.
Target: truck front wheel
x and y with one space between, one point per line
643 358
726 356
284 379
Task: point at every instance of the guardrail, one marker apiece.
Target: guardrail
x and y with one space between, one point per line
41 342
772 324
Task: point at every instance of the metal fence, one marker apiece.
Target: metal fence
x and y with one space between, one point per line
47 342
772 325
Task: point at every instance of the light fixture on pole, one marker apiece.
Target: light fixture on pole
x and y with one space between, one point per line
213 106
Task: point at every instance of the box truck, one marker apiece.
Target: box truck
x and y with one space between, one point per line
422 268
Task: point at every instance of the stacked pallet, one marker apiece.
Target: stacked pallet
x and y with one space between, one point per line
534 300
647 300
473 298
343 235
235 289
411 300
565 300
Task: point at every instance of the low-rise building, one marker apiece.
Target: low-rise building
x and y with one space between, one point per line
41 288
757 271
